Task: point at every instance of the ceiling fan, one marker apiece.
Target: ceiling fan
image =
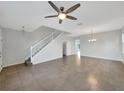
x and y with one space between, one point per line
61 13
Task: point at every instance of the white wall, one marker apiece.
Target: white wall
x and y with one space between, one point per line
122 42
55 50
16 44
0 50
107 46
69 48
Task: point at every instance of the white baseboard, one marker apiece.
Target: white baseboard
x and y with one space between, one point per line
112 59
15 63
34 63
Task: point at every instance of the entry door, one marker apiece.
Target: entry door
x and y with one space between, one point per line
0 52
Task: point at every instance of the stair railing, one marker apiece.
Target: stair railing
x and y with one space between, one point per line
34 49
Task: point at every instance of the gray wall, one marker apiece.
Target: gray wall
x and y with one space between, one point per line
16 44
107 46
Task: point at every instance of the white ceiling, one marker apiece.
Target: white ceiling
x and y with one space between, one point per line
92 15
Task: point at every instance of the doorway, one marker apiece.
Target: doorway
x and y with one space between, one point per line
77 46
64 49
67 48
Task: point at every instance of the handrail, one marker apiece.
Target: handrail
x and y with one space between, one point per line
37 43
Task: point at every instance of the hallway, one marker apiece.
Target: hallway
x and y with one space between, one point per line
70 73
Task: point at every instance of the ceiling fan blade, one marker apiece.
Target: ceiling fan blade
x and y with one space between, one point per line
54 6
71 17
51 16
71 9
60 21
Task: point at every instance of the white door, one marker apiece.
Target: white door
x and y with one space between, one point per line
0 52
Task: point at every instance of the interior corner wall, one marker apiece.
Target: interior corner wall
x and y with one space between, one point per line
16 44
12 47
107 46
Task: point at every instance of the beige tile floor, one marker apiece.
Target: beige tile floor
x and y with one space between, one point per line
68 74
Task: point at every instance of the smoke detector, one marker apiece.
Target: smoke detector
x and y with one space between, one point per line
79 24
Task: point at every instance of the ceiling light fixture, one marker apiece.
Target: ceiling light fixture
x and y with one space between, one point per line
62 13
62 16
92 39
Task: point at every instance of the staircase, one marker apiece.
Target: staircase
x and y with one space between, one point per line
37 47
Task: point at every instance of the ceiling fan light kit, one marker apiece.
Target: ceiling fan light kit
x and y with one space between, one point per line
61 13
62 16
